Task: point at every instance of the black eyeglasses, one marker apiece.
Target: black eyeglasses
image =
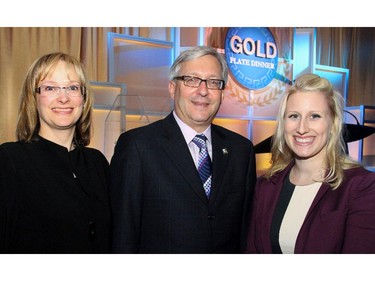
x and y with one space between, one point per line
195 82
54 91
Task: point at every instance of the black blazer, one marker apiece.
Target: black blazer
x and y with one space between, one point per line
53 200
157 198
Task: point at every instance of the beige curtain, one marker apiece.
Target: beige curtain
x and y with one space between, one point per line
19 47
352 48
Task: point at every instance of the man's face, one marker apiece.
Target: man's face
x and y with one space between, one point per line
197 107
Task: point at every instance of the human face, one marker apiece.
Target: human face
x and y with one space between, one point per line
197 107
61 113
308 124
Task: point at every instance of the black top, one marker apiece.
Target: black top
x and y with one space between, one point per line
53 200
278 216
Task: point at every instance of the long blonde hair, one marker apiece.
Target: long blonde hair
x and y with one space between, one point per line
28 124
336 158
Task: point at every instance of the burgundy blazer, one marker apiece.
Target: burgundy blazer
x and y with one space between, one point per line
338 221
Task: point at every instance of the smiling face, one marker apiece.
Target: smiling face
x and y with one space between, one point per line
197 107
61 112
308 124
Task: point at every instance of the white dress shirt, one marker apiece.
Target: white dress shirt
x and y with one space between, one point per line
189 134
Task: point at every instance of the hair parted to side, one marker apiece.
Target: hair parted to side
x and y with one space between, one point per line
197 52
336 158
28 124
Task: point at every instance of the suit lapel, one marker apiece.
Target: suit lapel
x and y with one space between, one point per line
322 191
221 150
175 147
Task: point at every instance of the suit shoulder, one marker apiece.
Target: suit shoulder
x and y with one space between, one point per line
145 132
360 174
224 132
12 147
6 145
94 153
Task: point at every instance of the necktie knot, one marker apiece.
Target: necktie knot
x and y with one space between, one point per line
200 141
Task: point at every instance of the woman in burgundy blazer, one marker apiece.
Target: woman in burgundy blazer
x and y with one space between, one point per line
313 199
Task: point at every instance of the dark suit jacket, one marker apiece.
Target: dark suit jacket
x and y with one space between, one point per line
338 221
44 209
158 202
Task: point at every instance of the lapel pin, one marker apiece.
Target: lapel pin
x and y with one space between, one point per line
225 151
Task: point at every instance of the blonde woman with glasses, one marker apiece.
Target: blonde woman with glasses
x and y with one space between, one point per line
53 189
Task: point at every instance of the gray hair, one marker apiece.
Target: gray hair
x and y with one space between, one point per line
197 52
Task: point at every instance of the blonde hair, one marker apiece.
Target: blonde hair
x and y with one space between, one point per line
336 158
28 124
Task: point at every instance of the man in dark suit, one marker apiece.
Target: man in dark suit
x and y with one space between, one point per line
160 203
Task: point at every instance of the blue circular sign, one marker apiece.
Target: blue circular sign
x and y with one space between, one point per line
252 56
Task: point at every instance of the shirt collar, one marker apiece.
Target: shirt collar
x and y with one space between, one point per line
188 132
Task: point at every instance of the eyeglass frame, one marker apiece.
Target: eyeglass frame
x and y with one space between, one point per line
66 88
183 77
